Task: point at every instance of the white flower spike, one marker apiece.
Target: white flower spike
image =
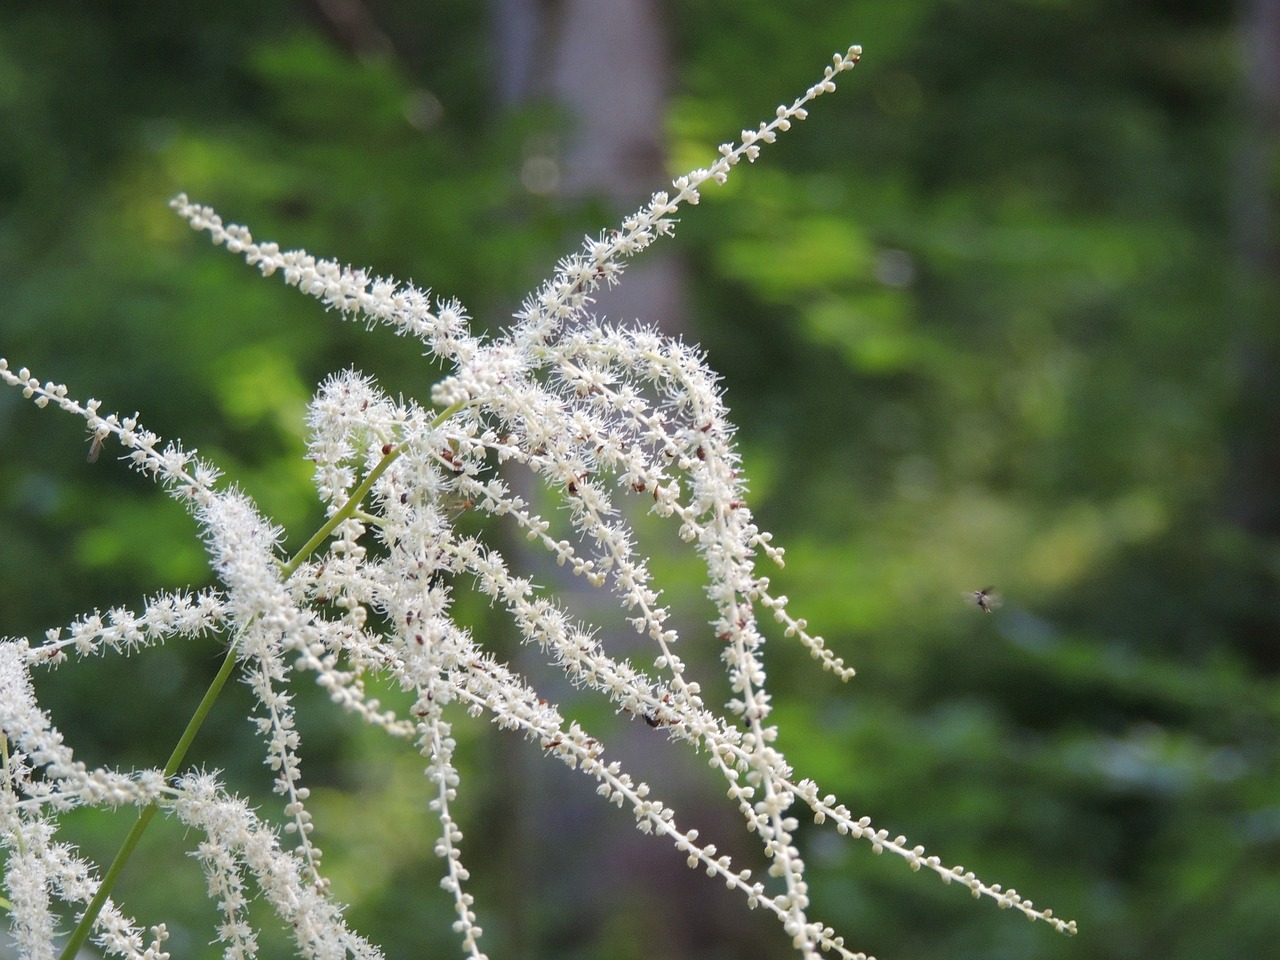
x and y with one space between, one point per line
602 416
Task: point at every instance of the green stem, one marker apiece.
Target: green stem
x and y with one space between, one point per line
81 932
346 513
357 495
83 928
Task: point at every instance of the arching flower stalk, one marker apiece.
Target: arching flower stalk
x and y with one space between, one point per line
601 416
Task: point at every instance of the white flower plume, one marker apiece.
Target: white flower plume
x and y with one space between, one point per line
607 419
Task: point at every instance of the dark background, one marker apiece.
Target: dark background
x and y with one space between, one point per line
1002 311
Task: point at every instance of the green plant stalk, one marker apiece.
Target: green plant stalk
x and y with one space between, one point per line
346 513
81 932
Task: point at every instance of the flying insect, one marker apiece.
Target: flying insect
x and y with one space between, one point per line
985 599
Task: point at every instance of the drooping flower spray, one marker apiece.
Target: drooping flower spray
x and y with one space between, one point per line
598 415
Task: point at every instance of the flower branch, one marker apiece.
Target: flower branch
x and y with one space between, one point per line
604 420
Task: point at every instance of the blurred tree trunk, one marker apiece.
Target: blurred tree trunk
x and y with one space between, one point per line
605 63
1254 488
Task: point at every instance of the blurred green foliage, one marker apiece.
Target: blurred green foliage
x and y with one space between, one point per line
983 319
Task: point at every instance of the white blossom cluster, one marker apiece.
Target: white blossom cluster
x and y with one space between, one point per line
600 415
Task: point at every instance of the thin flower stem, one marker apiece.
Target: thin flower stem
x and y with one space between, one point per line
81 932
350 507
83 928
346 513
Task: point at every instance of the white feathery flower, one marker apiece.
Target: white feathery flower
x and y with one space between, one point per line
608 421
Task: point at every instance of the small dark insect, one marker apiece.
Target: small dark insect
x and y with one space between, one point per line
985 599
651 716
